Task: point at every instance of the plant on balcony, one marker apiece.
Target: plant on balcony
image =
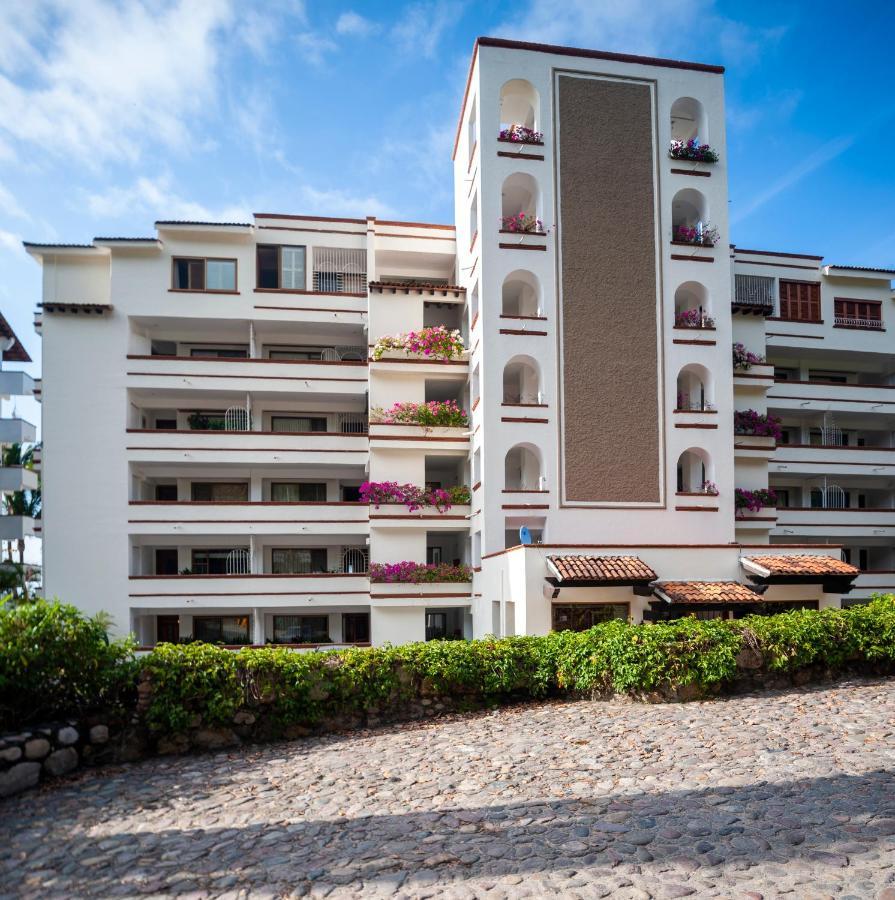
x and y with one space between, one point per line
744 359
201 422
748 421
704 236
693 318
692 151
522 223
418 573
686 404
753 501
710 488
436 342
520 134
413 497
434 414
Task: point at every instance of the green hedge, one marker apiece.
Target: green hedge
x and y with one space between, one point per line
54 662
303 688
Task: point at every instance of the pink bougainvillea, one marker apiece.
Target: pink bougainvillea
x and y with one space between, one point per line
522 223
435 413
377 493
407 572
755 500
748 421
519 134
436 342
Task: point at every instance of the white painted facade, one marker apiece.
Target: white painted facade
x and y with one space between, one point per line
132 365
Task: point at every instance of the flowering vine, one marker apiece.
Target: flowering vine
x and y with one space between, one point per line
705 235
435 413
753 501
522 223
748 421
693 151
693 318
413 497
419 573
744 359
436 342
520 134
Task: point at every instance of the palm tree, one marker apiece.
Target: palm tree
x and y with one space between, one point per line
21 503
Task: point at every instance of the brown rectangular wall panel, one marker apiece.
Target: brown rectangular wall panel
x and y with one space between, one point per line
612 447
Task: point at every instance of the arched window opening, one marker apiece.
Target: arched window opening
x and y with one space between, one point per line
691 306
688 121
694 389
690 219
521 204
519 112
521 295
522 382
695 472
522 469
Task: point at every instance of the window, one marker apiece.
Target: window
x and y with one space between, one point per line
297 560
351 494
281 268
356 628
858 313
782 497
166 561
297 353
800 301
301 630
210 562
219 491
298 424
167 629
580 617
436 626
293 492
827 377
221 629
164 348
166 493
191 274
166 424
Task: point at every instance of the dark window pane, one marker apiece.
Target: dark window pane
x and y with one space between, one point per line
268 267
166 492
298 560
350 494
297 424
301 630
356 628
166 561
181 274
221 629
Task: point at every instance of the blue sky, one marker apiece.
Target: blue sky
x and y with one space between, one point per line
113 116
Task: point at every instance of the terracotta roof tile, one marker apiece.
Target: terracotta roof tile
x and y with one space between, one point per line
601 568
802 565
707 592
16 351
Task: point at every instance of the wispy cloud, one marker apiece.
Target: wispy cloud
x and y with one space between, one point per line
157 197
11 242
315 47
352 24
10 206
421 26
342 202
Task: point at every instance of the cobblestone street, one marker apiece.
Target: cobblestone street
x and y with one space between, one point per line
789 793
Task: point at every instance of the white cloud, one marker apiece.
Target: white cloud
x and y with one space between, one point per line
824 154
102 77
775 108
157 198
314 47
11 242
10 206
352 24
422 25
342 202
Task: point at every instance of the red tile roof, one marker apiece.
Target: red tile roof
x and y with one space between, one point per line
600 568
804 564
706 592
16 351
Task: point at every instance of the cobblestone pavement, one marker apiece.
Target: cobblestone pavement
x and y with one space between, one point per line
790 793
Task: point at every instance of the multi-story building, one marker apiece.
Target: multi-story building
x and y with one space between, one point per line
213 394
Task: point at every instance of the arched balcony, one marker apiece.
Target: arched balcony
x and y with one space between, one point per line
522 469
688 122
521 295
695 474
695 389
522 381
691 306
520 108
521 204
690 219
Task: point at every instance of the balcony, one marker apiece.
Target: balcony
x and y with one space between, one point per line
16 528
753 446
16 384
241 591
755 521
822 396
395 515
835 523
341 373
432 439
257 447
753 295
858 322
17 478
17 431
759 376
819 459
252 517
433 595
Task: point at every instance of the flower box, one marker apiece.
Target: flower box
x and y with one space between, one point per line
520 134
692 151
436 343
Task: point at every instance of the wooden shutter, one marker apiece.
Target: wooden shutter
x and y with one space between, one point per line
800 301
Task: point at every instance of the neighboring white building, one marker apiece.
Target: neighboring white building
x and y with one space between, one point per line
207 392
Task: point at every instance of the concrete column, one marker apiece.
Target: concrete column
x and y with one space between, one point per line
257 626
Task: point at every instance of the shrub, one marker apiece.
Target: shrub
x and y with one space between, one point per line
435 413
378 492
55 661
692 151
755 500
433 343
407 572
748 421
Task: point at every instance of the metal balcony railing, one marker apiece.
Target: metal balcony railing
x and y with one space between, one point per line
858 322
338 270
353 423
754 290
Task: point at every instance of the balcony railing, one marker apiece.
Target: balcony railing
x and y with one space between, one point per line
338 270
858 322
754 291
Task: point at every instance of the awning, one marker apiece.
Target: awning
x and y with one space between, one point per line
834 575
701 593
599 571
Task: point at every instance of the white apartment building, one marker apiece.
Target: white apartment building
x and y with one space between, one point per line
211 404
